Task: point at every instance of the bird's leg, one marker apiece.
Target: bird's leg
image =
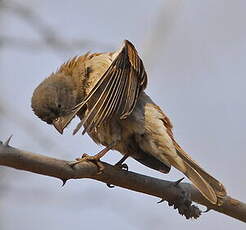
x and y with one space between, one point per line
120 165
95 159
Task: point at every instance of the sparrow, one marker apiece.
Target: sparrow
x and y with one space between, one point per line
106 91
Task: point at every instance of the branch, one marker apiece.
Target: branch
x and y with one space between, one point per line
19 159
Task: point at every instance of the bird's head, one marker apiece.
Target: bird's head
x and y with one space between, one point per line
54 99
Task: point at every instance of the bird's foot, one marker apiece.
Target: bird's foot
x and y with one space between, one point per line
120 165
85 157
95 159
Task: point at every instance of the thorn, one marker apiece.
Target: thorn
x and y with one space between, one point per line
63 182
207 210
110 185
160 201
6 143
177 182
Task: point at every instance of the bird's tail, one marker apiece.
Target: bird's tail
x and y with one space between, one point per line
211 188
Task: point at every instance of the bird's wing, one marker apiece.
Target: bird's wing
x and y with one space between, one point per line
117 91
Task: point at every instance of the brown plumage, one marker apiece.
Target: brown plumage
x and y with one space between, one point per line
106 91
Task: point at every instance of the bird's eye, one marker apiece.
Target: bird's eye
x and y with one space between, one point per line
59 106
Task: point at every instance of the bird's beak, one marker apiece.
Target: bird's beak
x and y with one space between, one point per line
61 123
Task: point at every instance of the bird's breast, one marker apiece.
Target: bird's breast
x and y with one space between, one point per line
124 132
142 135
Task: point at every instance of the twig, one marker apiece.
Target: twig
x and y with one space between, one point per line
19 159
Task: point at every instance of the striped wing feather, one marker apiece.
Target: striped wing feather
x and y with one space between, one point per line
117 91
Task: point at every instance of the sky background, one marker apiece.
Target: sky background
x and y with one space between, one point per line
194 53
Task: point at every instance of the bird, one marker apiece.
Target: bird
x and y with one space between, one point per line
107 92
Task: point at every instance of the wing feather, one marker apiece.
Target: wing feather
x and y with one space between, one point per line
117 91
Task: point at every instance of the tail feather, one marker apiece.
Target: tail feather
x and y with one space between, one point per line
211 188
201 184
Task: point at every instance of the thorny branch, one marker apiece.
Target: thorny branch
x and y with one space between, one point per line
171 192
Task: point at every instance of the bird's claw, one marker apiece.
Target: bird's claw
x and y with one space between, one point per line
125 166
94 159
160 201
120 166
110 185
207 210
